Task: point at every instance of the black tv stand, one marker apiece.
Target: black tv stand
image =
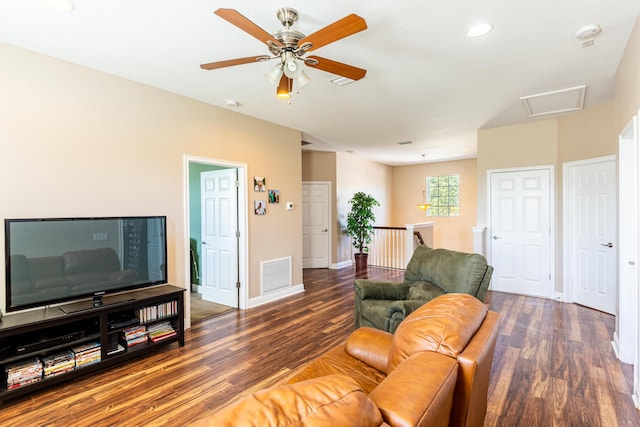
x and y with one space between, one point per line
39 336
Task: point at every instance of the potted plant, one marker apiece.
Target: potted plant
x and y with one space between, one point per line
360 221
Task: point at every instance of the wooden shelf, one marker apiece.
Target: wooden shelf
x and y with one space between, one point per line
39 328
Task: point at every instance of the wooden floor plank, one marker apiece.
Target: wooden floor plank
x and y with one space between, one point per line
553 366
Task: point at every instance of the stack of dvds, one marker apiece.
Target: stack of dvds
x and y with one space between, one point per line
23 373
155 312
86 354
58 363
135 335
161 331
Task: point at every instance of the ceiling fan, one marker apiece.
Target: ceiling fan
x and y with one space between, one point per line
290 47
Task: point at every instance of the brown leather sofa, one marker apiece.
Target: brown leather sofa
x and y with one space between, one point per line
434 371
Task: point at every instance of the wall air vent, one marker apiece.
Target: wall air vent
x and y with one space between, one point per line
558 101
275 274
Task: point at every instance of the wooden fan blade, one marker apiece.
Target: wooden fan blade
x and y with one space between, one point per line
236 18
338 30
335 67
229 63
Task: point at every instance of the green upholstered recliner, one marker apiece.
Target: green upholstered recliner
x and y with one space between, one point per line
430 273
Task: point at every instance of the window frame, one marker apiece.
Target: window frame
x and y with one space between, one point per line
451 205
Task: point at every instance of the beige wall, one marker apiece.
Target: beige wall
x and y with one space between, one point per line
354 174
449 232
77 142
321 166
627 88
582 135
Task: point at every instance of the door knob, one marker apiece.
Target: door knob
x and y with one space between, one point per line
608 245
204 243
325 230
496 237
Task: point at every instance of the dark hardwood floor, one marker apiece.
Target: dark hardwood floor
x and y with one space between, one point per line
553 366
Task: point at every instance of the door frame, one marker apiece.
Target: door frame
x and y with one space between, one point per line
626 338
552 217
329 210
243 223
568 224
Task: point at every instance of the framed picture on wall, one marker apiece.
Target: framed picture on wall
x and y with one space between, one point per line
274 196
260 207
259 183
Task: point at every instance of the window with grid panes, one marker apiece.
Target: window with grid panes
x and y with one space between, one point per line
443 195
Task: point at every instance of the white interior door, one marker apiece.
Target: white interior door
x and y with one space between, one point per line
591 210
520 235
316 204
219 238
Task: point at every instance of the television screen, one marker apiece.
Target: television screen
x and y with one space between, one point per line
55 260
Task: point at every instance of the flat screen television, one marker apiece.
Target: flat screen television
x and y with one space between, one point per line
55 260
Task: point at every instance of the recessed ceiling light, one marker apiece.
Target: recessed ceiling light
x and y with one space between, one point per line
61 5
479 30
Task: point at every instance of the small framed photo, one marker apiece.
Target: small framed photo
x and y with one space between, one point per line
259 207
259 183
274 196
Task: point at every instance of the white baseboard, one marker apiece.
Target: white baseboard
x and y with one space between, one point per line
343 264
274 296
616 346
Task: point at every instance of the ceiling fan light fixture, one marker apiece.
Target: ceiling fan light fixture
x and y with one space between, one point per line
284 88
291 67
302 79
275 74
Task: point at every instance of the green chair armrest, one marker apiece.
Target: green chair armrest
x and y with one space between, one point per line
404 307
372 289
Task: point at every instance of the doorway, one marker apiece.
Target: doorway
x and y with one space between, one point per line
232 244
521 231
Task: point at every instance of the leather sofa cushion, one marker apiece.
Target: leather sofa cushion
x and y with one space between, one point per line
445 325
338 361
334 400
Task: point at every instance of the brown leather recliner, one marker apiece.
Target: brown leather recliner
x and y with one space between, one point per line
434 371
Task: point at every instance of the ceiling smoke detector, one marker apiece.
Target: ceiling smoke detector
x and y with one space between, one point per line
586 34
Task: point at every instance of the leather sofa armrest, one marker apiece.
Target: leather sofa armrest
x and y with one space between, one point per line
372 289
419 391
370 346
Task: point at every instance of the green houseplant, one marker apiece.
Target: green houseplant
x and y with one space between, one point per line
360 221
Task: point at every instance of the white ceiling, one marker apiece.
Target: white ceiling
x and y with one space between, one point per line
426 82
